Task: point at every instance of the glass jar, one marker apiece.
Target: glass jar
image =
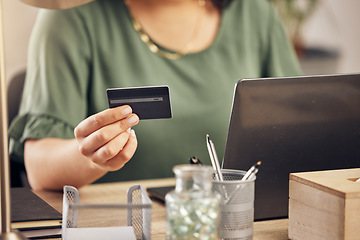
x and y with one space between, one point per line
192 209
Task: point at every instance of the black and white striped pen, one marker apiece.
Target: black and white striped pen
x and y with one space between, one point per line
252 171
214 158
195 160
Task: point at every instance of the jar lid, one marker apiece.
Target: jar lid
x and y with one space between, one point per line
189 170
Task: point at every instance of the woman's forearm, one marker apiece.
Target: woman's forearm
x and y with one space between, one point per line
103 142
52 163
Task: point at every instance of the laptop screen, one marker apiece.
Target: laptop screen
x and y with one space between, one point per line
295 124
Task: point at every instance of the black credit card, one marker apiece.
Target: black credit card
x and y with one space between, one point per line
147 102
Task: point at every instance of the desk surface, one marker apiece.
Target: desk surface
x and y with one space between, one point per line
115 192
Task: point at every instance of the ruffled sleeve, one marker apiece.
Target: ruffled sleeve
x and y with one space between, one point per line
30 126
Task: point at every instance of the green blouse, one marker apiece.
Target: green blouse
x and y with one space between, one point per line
76 54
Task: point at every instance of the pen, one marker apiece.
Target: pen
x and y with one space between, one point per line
214 158
195 160
252 171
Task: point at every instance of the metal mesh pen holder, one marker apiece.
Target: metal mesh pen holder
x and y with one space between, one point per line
237 205
106 221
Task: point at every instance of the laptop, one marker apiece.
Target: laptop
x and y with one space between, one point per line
292 124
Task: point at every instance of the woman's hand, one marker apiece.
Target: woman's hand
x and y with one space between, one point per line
106 139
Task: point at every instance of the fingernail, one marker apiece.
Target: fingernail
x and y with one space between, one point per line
128 130
132 132
126 111
133 119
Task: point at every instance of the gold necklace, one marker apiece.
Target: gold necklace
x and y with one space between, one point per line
154 48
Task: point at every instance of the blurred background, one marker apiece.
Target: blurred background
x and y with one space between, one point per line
325 33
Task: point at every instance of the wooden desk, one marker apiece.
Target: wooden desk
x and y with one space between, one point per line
116 193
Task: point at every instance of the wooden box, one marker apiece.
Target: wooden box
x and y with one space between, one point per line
324 205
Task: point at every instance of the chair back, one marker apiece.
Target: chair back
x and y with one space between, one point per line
14 94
